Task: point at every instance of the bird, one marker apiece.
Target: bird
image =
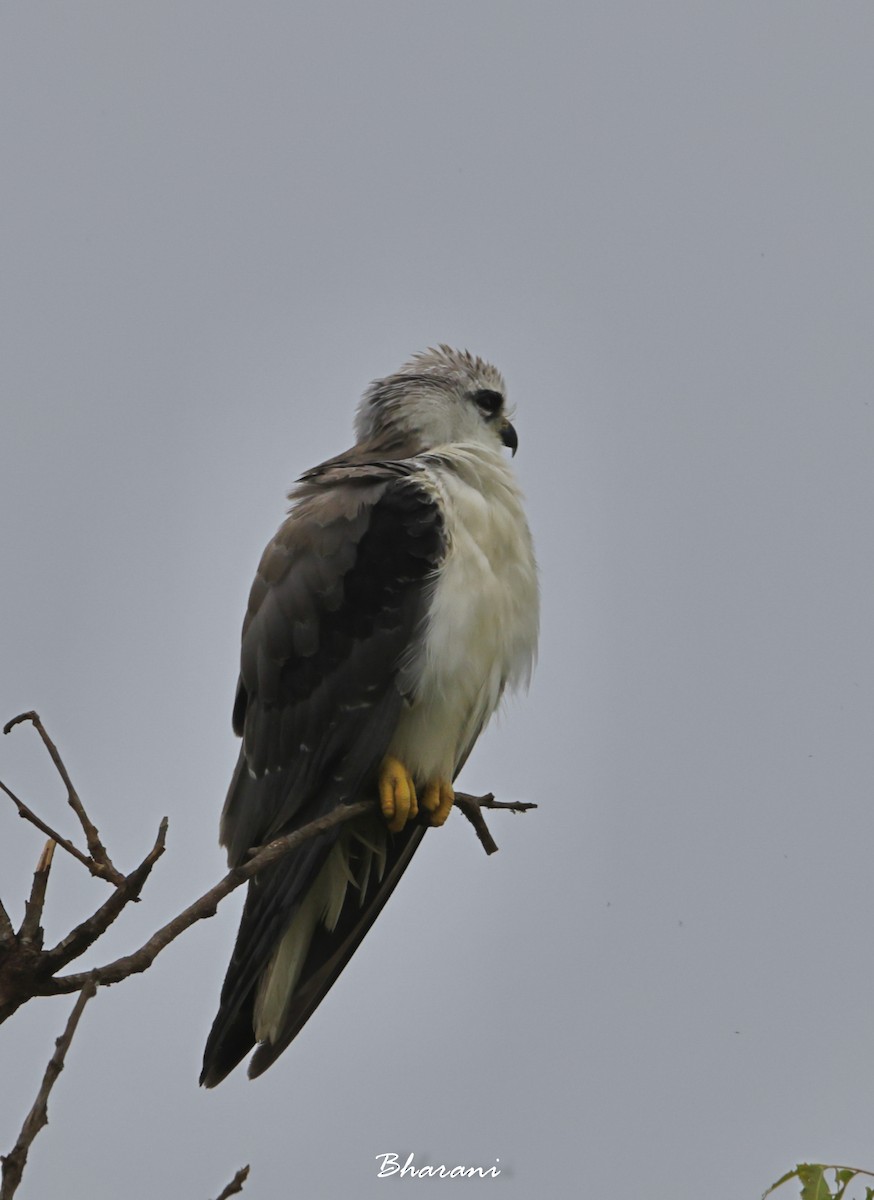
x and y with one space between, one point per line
390 613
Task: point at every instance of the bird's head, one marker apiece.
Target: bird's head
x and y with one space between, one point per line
439 397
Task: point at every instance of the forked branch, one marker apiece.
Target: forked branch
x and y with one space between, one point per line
97 860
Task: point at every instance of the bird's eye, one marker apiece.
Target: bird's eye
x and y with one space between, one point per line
488 401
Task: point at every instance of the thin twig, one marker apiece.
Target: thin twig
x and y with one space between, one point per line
31 930
236 1184
29 815
14 1162
96 849
489 801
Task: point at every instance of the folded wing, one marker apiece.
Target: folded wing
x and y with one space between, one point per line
334 615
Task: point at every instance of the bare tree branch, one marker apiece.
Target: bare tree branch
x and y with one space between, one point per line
26 970
35 975
236 1184
140 960
38 1117
96 848
472 807
79 939
29 815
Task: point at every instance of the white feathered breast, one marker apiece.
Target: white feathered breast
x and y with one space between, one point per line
482 624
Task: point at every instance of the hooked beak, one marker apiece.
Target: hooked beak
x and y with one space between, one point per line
509 436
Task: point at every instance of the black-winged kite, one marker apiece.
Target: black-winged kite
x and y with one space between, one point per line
389 613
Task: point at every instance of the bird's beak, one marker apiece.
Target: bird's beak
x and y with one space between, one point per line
509 437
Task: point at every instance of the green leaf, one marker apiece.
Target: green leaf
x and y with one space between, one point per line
783 1179
814 1186
843 1177
813 1182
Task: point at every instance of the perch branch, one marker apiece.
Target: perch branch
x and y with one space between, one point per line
26 970
38 1117
206 905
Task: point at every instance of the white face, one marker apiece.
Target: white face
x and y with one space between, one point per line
441 397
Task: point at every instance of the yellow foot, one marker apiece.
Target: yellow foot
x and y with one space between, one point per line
397 794
438 800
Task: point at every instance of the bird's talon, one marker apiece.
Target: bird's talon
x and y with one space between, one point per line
397 794
438 799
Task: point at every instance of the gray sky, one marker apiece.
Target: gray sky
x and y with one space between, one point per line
220 222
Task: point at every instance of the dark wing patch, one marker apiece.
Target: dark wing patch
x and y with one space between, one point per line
334 607
338 598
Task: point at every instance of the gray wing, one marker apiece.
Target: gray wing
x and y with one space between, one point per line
338 599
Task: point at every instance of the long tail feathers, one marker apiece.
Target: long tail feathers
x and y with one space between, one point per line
293 942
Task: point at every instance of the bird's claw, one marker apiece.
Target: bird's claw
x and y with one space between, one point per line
397 794
438 799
